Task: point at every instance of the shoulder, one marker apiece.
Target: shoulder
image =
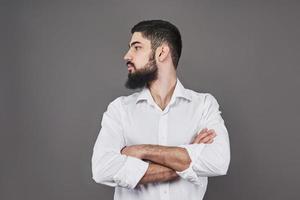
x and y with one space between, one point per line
123 101
201 98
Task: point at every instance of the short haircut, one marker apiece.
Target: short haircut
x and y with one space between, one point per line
158 32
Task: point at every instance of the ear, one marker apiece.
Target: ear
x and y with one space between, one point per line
162 52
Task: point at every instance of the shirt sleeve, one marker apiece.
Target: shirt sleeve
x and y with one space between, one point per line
208 159
109 166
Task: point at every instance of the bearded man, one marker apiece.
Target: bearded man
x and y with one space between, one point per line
164 141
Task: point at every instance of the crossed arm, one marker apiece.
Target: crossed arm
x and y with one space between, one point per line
114 166
165 160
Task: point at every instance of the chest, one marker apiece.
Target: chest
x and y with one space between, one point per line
178 126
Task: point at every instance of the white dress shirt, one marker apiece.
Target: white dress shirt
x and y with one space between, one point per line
137 119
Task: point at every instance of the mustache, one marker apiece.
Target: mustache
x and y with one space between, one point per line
130 63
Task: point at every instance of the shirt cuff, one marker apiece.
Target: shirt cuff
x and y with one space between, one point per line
131 173
189 173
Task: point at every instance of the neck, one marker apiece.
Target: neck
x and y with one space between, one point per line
162 89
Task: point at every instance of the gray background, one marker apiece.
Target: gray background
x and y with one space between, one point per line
62 63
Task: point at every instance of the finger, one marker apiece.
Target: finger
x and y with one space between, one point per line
203 131
200 136
206 131
203 135
211 131
209 141
208 137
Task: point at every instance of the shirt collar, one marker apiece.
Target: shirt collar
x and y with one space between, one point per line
179 91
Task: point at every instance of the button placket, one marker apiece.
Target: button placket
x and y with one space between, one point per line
162 140
164 191
163 129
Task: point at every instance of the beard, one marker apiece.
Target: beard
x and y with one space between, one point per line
142 77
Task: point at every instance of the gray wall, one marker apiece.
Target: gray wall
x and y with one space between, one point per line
61 64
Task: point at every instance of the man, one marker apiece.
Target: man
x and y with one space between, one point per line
164 141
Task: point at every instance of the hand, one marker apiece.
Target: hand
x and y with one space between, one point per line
134 151
205 136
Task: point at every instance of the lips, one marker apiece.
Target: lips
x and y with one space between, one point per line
130 66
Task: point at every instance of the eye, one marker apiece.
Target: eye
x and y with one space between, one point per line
136 47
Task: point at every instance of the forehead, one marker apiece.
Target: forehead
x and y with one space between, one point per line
137 37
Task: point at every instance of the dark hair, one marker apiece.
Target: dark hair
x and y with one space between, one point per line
159 31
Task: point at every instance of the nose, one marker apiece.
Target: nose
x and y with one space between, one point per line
127 56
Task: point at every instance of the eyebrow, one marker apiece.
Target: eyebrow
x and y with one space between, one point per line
133 43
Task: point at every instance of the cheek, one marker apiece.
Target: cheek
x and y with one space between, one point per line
138 64
141 60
